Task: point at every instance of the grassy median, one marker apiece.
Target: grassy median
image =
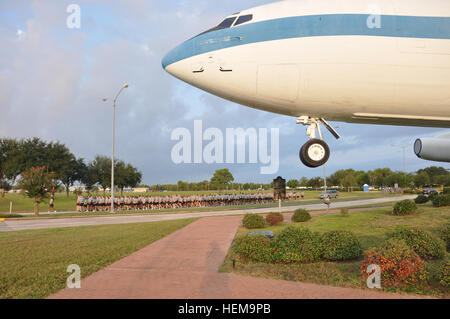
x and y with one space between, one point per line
33 263
371 228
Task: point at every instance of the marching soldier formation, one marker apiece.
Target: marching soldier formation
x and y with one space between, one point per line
136 203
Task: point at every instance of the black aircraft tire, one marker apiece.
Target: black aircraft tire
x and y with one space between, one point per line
302 159
315 153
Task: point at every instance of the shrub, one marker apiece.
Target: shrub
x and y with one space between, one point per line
274 219
445 236
433 195
255 248
444 276
405 207
300 216
253 221
421 242
344 212
294 245
421 199
340 245
441 200
446 191
399 264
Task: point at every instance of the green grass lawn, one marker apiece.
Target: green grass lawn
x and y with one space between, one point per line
33 263
371 228
63 203
22 204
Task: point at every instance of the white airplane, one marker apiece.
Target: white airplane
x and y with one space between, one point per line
368 61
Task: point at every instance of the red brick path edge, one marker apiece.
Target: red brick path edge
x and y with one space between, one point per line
184 265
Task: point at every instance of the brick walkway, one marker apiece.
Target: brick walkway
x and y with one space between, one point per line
184 265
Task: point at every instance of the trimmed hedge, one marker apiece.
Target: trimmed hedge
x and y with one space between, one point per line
425 245
255 248
400 265
445 236
405 207
444 275
274 219
421 199
253 221
432 196
441 200
340 245
296 245
301 216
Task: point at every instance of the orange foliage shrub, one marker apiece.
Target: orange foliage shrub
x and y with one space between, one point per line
399 264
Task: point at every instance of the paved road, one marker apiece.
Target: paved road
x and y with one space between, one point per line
184 265
45 223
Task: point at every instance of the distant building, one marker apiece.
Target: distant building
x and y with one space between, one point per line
141 190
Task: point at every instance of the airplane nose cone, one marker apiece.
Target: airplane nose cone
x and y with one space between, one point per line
167 60
179 53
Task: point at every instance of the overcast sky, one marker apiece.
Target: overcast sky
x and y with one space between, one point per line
53 80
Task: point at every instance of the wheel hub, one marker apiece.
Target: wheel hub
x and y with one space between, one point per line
316 152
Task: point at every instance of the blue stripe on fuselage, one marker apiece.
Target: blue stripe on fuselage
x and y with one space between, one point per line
311 26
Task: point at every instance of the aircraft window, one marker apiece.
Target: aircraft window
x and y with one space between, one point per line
243 19
226 23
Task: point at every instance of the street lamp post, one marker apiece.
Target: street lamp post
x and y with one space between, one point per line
113 145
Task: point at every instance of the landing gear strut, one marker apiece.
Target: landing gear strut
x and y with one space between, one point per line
315 152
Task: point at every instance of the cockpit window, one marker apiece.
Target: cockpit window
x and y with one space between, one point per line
225 24
243 19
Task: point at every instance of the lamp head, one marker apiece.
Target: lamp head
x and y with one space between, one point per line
125 86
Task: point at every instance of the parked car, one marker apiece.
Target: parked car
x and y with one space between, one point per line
330 194
429 191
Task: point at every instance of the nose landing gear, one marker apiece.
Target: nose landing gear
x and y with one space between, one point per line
315 152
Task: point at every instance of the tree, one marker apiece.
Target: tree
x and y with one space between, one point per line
348 181
433 173
316 182
422 179
26 154
443 180
5 186
7 146
304 181
126 175
338 177
36 182
71 171
134 176
101 167
88 176
377 177
222 178
293 183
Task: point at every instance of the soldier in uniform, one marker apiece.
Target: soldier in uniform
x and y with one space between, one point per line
80 203
89 203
